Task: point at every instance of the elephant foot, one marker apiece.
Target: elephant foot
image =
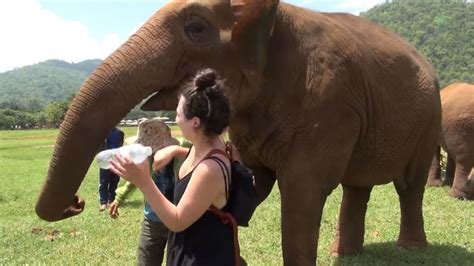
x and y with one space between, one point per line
461 195
412 243
339 250
434 183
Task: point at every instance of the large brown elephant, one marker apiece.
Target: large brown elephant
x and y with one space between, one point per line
317 100
457 139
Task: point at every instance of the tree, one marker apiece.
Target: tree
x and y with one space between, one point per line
6 121
55 112
41 119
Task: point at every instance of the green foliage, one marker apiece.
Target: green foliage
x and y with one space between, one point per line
34 88
55 112
6 120
9 119
93 238
443 31
31 88
52 116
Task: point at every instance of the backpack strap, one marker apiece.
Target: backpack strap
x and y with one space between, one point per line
216 151
223 166
226 174
227 218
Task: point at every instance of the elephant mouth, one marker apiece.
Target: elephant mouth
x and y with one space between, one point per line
164 99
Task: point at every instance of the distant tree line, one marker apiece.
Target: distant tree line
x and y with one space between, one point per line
13 116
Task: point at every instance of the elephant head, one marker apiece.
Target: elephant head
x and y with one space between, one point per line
181 38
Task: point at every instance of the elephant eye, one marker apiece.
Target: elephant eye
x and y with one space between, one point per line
197 29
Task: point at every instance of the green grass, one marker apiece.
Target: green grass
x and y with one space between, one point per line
94 238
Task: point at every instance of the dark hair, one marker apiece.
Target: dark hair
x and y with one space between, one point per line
205 99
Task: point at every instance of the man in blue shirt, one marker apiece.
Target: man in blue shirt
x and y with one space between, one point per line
108 181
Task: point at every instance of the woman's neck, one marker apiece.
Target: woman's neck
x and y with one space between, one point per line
204 144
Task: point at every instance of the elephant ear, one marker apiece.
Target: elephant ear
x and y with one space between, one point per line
251 33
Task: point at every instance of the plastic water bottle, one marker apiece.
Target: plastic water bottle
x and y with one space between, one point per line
136 152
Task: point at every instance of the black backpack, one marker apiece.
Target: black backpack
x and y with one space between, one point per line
242 199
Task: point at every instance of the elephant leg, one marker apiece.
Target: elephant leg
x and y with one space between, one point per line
412 233
434 177
463 187
450 170
350 229
301 219
314 166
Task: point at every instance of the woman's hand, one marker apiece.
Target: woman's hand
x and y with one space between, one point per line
234 151
138 174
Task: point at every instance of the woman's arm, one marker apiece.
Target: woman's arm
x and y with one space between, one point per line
203 188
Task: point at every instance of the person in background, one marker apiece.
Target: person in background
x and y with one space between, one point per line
108 180
153 233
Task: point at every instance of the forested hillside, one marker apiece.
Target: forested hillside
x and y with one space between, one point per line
39 95
443 31
33 87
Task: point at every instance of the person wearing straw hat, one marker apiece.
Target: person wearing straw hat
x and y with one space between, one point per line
153 233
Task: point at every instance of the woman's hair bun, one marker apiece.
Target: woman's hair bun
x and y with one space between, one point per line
205 78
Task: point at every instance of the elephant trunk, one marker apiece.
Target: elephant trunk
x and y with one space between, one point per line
124 79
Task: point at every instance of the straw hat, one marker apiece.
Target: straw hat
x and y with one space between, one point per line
154 133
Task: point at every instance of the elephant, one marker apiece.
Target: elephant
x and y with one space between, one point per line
317 100
457 139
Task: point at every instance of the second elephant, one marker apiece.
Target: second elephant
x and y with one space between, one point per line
457 139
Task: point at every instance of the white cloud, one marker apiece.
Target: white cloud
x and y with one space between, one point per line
301 2
352 6
32 34
356 6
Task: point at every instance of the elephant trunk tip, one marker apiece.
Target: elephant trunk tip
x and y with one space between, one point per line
48 213
45 215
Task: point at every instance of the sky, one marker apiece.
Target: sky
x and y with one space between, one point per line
33 31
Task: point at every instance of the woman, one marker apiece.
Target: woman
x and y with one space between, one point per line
198 237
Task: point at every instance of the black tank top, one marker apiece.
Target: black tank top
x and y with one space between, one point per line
206 242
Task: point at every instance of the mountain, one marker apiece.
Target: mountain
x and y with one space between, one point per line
33 87
443 31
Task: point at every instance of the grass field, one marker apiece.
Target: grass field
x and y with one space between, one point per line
94 238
